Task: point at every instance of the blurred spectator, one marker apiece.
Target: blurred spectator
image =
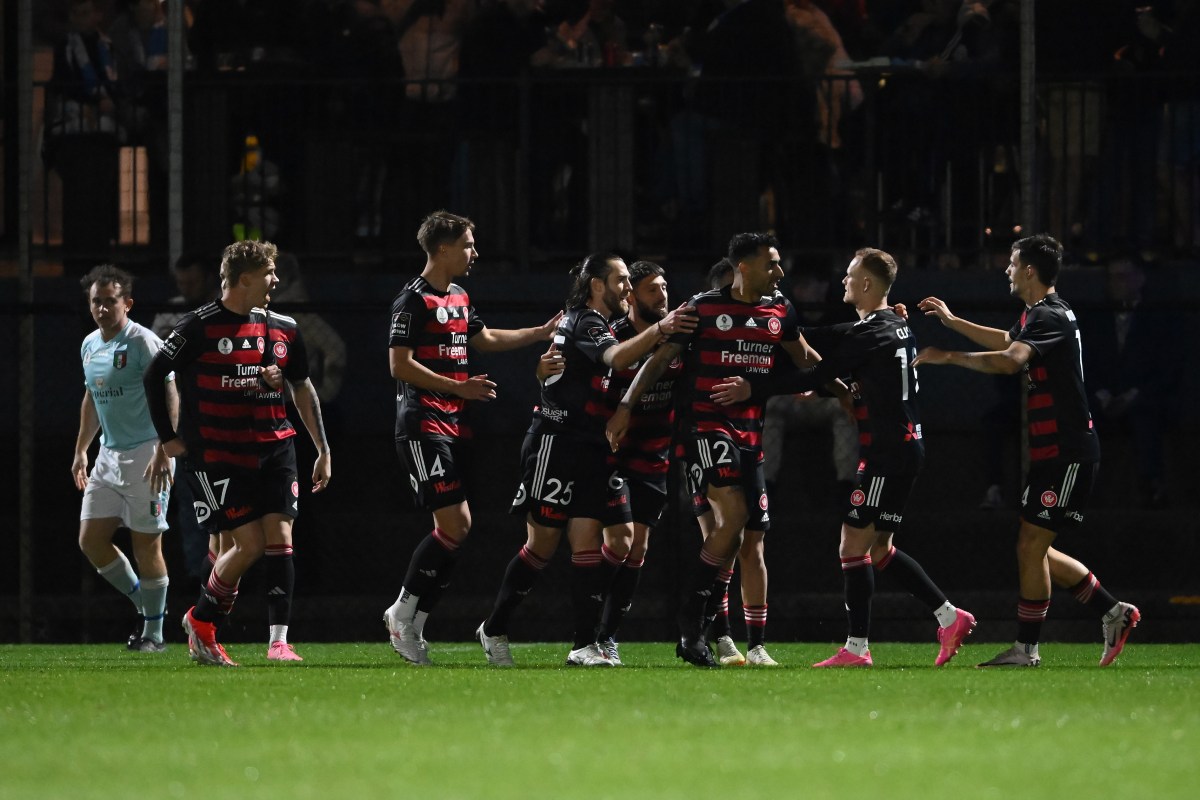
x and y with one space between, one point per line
1132 365
255 192
81 135
232 34
326 348
823 54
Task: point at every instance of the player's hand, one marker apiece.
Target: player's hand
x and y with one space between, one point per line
476 387
272 376
550 363
731 390
618 425
901 311
681 320
546 331
160 472
930 355
79 470
322 471
933 307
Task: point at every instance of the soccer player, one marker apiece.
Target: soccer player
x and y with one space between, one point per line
644 463
876 353
1064 451
230 358
740 331
129 485
433 321
569 479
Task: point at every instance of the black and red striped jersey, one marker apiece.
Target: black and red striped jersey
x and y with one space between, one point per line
875 357
436 326
226 414
577 401
1060 424
645 453
733 338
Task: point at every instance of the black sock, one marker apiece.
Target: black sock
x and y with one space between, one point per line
280 572
519 578
716 609
1030 616
1089 592
620 598
701 588
428 561
859 579
912 577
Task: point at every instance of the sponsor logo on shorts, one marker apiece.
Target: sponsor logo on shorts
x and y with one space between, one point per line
442 487
1049 499
858 497
888 516
1074 516
550 512
280 350
237 513
728 472
774 326
724 322
853 513
225 346
1044 515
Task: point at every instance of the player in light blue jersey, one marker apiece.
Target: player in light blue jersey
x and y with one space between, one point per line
130 483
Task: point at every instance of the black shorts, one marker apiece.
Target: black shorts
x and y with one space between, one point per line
432 474
647 501
228 497
878 500
714 460
1056 494
564 478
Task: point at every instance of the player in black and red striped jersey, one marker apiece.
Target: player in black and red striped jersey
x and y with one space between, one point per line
874 355
432 324
230 359
1064 451
741 330
569 479
644 463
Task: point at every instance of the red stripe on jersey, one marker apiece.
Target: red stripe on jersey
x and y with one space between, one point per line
862 412
447 405
247 356
1041 400
246 330
1043 428
230 411
226 457
1043 453
240 435
1038 373
438 428
453 299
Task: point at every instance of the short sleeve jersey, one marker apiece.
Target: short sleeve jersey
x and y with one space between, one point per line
576 402
227 415
733 338
436 326
1060 424
648 443
876 353
112 373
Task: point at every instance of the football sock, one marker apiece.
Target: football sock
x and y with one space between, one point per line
441 581
519 577
716 610
434 555
280 573
154 607
946 614
587 595
278 634
912 577
1030 616
703 586
120 574
216 599
756 625
859 580
856 644
1089 592
620 597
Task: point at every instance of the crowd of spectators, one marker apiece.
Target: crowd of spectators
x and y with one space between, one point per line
836 122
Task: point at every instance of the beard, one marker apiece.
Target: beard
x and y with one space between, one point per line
615 305
650 314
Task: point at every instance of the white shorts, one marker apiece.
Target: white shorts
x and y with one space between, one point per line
116 490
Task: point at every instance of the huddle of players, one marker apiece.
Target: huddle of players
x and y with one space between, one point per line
596 456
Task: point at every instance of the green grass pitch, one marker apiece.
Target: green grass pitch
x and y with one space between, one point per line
355 721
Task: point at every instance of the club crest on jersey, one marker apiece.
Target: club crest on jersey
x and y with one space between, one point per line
762 501
225 347
1049 499
774 326
120 359
442 315
724 322
262 344
280 350
295 489
858 497
87 358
